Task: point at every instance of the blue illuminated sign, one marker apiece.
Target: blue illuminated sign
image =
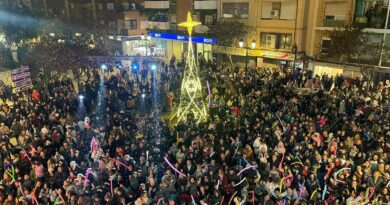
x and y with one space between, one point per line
177 37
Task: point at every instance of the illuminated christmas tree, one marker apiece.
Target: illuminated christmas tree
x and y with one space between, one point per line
191 96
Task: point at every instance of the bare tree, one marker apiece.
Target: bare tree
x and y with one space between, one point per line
352 45
227 32
368 54
344 41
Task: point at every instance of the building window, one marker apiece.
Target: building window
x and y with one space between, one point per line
285 41
326 43
159 17
100 6
235 10
111 24
288 10
336 10
110 6
209 19
125 6
131 24
284 10
276 40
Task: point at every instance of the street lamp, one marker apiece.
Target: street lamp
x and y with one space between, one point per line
253 46
294 50
241 43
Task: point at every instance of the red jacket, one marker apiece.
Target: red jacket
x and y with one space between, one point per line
35 95
236 111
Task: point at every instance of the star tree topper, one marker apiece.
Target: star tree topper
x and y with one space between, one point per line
189 24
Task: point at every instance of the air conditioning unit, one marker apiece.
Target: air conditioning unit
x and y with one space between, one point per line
270 41
275 14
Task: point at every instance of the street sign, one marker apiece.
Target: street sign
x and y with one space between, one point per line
21 78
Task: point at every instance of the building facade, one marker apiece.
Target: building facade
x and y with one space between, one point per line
108 15
279 28
162 22
327 15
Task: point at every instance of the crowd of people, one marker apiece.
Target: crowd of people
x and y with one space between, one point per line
273 137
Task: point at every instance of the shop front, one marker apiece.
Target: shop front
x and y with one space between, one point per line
332 70
273 59
259 58
136 46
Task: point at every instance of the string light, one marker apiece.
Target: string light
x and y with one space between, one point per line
191 96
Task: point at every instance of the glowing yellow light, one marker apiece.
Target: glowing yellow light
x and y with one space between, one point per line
189 24
191 96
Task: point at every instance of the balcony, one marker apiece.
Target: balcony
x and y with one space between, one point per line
235 16
375 23
129 7
156 4
155 25
205 5
334 23
371 14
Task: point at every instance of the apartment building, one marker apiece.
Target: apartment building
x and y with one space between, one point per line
166 38
280 28
326 15
110 15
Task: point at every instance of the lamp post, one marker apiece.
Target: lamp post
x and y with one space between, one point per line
294 51
146 40
253 46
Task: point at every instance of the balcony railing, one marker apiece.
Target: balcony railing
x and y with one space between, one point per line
234 16
155 25
376 22
156 4
334 23
205 5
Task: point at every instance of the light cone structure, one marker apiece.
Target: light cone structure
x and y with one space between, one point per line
191 96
